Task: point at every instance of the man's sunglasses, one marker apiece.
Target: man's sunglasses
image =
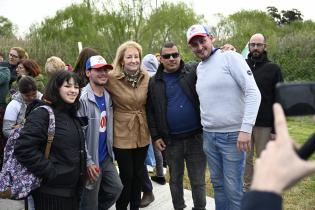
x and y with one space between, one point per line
168 56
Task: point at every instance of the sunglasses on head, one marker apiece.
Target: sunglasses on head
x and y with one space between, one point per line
168 56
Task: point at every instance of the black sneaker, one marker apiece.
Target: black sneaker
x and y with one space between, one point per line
159 179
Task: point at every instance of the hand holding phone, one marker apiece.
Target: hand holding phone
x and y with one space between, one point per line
298 99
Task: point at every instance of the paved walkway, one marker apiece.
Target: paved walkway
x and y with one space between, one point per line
11 205
162 200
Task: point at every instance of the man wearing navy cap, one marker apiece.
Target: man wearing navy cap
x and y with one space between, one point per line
96 115
229 102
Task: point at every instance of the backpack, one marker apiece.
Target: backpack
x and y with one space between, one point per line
16 181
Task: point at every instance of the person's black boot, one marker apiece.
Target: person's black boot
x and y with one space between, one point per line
146 199
159 179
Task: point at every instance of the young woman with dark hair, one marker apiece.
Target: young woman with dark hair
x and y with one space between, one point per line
15 111
62 173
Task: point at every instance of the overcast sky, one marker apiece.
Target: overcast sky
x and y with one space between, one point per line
25 12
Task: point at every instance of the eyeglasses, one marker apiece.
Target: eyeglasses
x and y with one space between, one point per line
20 67
168 56
14 56
259 45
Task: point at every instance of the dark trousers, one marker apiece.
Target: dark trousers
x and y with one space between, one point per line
131 164
159 160
187 150
44 201
106 189
146 184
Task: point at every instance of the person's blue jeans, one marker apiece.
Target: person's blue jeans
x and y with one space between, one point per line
226 166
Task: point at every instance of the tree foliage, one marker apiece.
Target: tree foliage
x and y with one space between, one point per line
292 46
6 28
238 27
104 25
285 16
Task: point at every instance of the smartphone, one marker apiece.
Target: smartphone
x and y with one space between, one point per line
296 99
308 148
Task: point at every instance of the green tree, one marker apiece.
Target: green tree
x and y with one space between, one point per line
294 50
291 45
6 27
169 22
238 27
289 16
105 25
286 16
59 35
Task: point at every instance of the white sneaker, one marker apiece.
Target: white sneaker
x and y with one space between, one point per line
150 169
164 171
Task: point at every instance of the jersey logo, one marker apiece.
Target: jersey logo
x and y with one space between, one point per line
103 122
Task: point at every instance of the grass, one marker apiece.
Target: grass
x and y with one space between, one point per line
301 196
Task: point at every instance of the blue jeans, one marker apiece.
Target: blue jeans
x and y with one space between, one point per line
226 166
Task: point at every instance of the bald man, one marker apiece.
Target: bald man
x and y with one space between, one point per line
267 75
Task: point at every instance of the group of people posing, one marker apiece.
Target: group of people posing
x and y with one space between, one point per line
210 112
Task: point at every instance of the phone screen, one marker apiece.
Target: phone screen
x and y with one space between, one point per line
297 99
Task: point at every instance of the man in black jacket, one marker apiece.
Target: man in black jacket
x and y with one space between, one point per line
174 122
267 75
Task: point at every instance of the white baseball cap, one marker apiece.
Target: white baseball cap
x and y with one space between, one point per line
196 30
97 61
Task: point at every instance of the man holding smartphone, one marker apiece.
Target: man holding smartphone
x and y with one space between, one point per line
267 75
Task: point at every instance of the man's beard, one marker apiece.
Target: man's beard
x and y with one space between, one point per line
256 54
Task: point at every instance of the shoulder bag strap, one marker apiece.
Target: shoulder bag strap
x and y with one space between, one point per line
51 130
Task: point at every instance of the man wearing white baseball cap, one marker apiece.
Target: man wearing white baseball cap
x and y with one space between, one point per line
96 116
229 102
